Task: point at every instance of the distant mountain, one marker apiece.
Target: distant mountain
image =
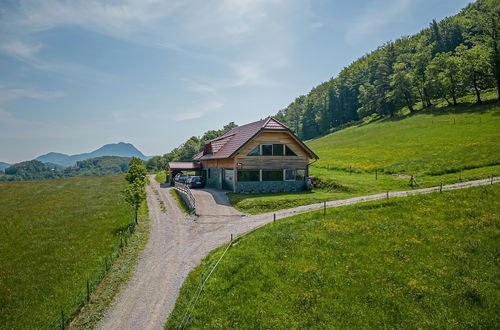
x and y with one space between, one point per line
3 166
120 149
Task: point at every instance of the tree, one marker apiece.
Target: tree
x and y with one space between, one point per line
135 194
136 171
402 93
475 68
444 73
487 32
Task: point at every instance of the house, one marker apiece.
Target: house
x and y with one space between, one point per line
263 156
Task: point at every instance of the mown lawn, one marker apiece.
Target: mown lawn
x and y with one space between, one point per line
55 235
428 261
439 145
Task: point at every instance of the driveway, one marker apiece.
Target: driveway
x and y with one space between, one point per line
178 243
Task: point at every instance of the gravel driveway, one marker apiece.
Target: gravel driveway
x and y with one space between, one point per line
179 242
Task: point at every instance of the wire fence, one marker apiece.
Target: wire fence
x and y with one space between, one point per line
65 316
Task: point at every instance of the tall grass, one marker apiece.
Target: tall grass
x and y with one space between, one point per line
55 235
428 261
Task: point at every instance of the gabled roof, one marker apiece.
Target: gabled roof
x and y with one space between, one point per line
227 145
183 165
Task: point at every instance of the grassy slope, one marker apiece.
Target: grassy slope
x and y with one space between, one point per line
436 141
55 234
427 261
434 145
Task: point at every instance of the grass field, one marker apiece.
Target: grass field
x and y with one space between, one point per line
428 261
55 235
438 145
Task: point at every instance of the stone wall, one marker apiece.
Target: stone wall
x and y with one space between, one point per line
269 186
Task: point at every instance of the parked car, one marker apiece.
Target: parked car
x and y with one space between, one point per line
181 178
196 182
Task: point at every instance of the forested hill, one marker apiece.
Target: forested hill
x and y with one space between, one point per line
458 55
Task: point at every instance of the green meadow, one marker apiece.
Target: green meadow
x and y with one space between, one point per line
428 261
443 144
55 235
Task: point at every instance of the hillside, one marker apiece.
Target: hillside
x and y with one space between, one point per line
55 235
120 149
416 262
3 166
446 60
442 144
436 141
36 170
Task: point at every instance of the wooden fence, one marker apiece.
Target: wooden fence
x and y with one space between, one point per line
187 195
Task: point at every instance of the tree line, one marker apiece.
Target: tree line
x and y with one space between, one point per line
449 59
187 150
36 170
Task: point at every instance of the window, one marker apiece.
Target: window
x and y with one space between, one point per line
267 150
289 152
272 175
290 175
277 150
248 175
272 150
294 175
255 151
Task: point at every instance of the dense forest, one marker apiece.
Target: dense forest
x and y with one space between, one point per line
448 59
36 170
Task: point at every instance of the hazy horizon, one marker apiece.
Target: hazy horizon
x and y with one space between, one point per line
79 75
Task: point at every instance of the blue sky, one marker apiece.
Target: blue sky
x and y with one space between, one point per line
78 74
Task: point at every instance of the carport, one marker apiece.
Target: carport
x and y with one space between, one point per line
173 168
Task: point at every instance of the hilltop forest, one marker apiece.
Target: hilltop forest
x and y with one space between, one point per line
459 55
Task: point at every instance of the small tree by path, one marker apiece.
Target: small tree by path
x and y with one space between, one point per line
135 193
136 171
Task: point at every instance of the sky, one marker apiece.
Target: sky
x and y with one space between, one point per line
75 75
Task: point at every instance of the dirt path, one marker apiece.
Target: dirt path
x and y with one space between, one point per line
178 243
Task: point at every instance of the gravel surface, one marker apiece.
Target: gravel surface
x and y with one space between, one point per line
179 242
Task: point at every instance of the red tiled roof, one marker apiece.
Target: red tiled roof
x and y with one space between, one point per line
183 165
228 144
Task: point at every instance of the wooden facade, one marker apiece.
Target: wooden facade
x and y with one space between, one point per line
237 158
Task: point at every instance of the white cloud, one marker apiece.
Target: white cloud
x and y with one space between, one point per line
200 112
17 48
7 94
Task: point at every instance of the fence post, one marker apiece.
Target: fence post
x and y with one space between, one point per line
62 320
387 195
88 290
492 179
274 217
376 174
350 170
324 208
441 187
231 237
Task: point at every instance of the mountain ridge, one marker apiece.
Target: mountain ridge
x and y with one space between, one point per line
120 149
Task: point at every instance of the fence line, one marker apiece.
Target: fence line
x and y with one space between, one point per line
186 192
93 282
193 302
